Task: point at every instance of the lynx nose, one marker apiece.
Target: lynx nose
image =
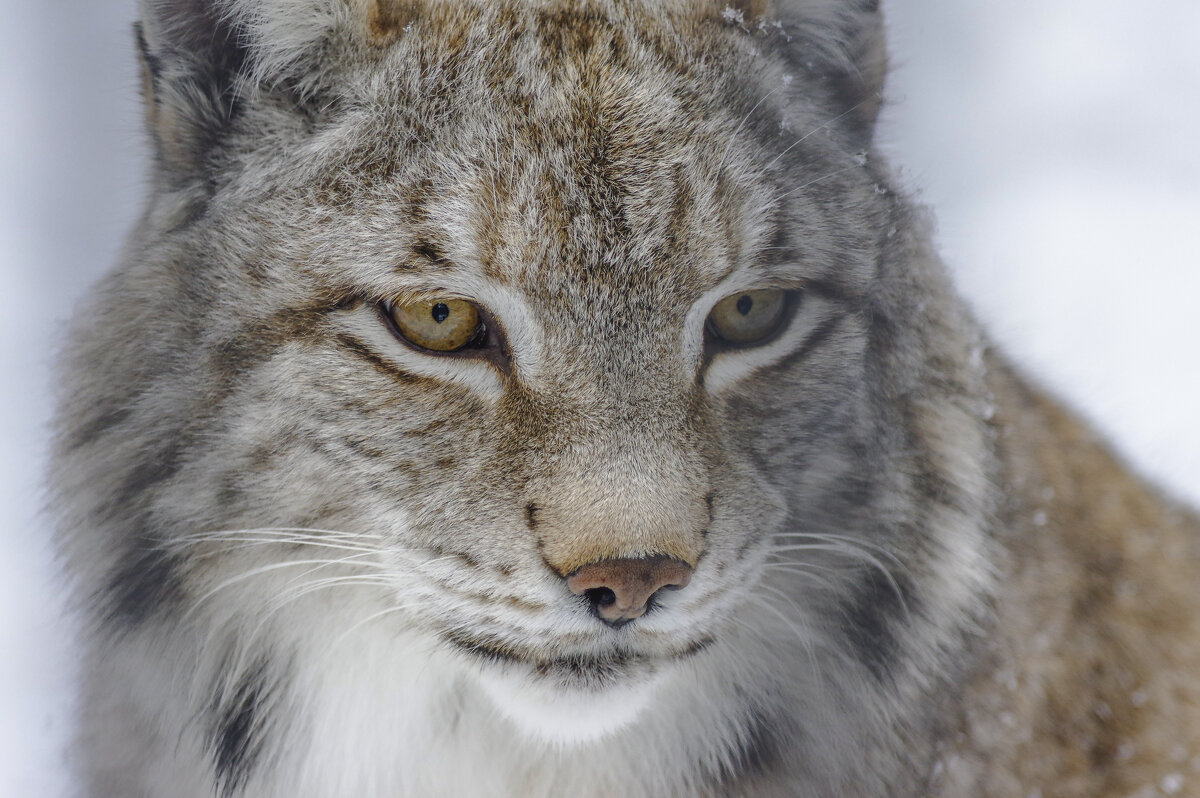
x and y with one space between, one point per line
620 589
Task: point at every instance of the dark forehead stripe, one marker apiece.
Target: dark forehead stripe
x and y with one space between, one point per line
617 135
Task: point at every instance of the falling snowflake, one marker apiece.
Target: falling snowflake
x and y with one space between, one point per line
733 16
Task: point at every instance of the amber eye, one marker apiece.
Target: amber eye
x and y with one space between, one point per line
749 317
441 325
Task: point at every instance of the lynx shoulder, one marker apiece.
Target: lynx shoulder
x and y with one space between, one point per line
538 398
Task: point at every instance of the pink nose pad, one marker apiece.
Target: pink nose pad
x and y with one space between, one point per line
619 590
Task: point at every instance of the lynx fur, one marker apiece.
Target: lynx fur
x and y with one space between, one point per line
318 560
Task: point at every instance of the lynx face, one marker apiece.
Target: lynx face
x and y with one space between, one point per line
592 236
571 341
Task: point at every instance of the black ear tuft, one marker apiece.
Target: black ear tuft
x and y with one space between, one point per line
866 45
192 60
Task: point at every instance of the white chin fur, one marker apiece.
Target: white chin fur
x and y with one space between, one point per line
557 715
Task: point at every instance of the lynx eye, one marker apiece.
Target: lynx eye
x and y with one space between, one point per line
440 325
750 317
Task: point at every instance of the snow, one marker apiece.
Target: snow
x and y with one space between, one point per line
1056 141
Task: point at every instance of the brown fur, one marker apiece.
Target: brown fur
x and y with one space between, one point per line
1090 685
386 20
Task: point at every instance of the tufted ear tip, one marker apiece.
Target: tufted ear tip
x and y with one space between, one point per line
870 57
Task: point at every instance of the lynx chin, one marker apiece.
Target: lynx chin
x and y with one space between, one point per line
540 398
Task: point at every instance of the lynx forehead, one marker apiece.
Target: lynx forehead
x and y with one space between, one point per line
540 398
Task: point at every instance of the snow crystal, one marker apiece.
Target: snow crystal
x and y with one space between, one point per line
733 16
1171 783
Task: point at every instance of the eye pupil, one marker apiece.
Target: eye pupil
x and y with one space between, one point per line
749 318
447 326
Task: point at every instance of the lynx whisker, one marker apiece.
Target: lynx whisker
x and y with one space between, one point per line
277 566
802 569
845 548
369 619
829 536
823 126
815 180
805 637
291 535
280 602
733 136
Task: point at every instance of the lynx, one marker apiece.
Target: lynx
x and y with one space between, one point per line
562 398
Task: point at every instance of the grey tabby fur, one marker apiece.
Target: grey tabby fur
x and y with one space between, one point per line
316 561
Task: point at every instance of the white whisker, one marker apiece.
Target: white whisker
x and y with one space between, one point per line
805 640
738 129
372 617
816 180
853 549
271 567
818 129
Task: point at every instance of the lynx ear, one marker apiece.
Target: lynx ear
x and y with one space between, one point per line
841 39
865 43
191 60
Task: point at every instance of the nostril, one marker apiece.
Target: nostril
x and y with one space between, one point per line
622 589
600 597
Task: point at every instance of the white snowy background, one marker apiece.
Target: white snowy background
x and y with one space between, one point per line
1056 139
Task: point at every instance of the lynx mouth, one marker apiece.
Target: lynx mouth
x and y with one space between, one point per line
573 698
595 670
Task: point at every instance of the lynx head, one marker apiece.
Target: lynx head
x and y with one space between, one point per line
590 340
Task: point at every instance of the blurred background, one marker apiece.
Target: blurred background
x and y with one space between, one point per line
1057 141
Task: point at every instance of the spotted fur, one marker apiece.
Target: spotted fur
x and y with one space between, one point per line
316 561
